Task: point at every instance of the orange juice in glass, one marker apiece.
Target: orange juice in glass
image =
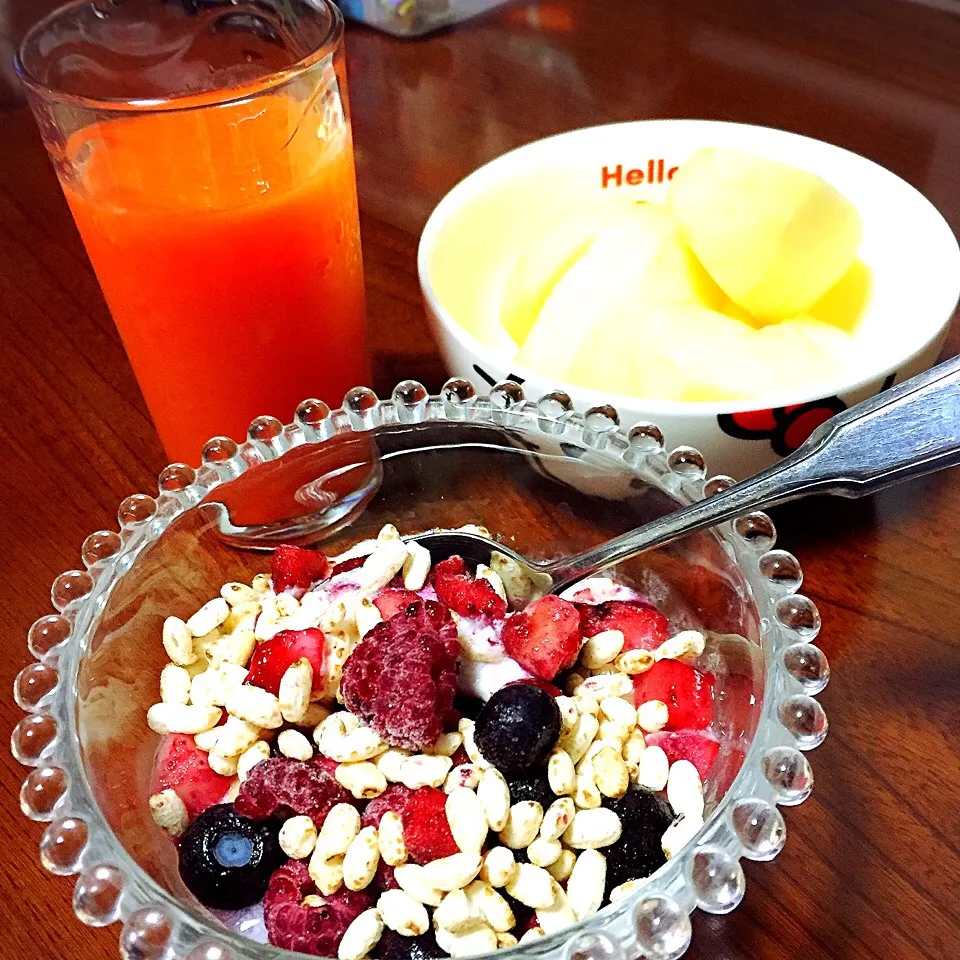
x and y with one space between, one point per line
204 149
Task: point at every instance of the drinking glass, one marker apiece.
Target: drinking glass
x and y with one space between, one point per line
204 148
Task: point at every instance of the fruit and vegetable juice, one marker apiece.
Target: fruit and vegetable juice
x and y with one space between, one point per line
218 208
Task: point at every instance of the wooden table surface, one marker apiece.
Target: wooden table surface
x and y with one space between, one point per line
871 868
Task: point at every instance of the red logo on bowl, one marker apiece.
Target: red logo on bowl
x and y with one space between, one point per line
656 171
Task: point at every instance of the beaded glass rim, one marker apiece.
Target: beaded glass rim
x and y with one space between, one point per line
654 919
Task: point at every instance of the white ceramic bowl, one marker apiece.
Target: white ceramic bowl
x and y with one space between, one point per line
480 228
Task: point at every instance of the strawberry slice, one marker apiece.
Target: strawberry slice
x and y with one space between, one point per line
464 594
545 637
296 569
686 691
181 767
643 626
426 829
699 748
391 601
272 657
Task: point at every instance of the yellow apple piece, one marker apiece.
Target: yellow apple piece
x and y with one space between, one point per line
538 271
803 351
775 238
843 304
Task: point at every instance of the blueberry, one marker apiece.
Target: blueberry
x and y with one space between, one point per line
226 860
530 785
517 728
393 946
638 853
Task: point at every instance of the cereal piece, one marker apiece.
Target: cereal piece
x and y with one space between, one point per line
561 773
250 758
178 642
532 886
365 615
166 718
261 583
680 833
493 578
326 872
591 829
208 617
169 812
361 936
562 867
685 789
587 796
390 763
587 704
237 647
383 565
361 859
402 913
393 846
601 649
209 688
584 733
411 877
634 747
634 662
610 773
235 593
490 905
255 705
421 770
455 912
298 837
619 711
359 744
519 588
446 746
586 883
468 822
416 566
236 737
465 775
534 933
474 939
470 746
686 646
607 685
494 794
174 684
225 766
287 605
611 731
506 941
499 866
363 779
340 826
558 914
293 744
558 816
652 716
625 889
452 873
296 685
523 824
653 769
542 853
569 713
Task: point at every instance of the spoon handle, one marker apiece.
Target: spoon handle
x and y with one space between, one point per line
907 431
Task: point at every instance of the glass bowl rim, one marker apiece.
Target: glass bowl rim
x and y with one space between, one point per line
705 873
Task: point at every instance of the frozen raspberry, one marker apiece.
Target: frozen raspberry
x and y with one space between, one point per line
313 930
385 877
425 826
643 626
464 594
698 747
402 677
296 569
394 798
686 691
272 657
285 788
545 637
391 601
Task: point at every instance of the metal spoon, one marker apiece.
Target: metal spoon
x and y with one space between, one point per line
905 432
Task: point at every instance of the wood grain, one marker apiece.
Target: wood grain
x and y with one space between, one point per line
871 865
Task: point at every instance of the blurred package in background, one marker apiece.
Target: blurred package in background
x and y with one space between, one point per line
410 18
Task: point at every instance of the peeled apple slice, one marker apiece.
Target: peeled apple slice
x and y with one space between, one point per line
775 238
537 272
803 351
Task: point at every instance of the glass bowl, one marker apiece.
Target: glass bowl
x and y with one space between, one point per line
544 479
